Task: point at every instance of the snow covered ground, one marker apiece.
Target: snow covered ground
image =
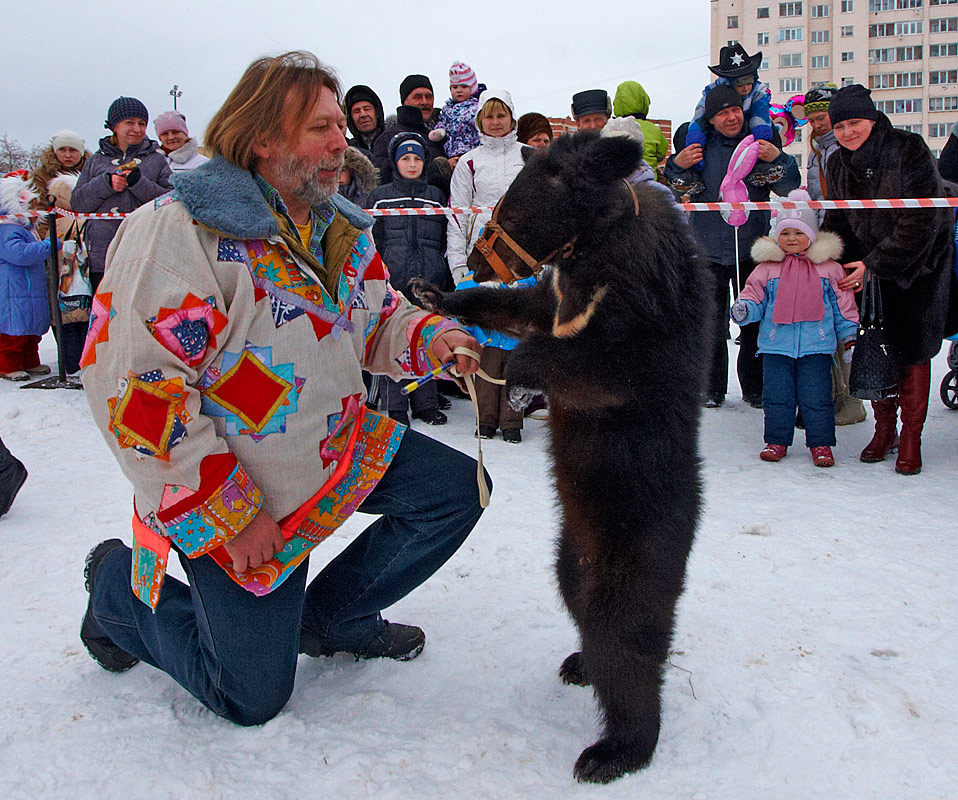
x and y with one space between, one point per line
815 652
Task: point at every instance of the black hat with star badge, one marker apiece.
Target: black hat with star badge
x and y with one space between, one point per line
734 62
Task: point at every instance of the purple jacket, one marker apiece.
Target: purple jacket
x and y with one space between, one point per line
94 192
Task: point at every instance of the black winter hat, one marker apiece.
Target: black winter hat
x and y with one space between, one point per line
719 98
125 108
591 101
358 94
410 83
852 102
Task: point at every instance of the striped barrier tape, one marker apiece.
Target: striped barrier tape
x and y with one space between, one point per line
770 205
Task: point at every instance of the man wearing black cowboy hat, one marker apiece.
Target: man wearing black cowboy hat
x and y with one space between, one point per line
737 69
725 127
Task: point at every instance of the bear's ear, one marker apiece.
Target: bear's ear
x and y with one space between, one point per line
611 158
527 153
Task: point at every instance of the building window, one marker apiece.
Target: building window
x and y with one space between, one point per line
909 28
942 2
786 60
847 81
764 65
895 80
798 136
848 6
881 5
899 106
798 159
819 37
848 30
848 56
943 25
732 42
733 22
762 13
790 34
819 12
943 104
937 130
762 39
790 85
820 62
940 77
889 54
790 9
909 128
939 50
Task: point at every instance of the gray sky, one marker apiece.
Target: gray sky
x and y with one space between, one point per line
62 65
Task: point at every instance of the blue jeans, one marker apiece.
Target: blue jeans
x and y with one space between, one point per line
805 382
236 652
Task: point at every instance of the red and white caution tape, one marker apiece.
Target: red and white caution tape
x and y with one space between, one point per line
771 205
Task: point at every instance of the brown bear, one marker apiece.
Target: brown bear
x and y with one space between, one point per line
612 333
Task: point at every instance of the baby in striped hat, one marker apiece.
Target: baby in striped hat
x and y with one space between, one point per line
456 126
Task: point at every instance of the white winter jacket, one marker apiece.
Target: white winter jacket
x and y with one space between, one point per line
186 157
480 178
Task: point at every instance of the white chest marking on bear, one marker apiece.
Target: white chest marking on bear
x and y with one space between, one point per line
564 330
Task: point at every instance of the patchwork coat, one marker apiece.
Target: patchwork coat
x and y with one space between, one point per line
226 378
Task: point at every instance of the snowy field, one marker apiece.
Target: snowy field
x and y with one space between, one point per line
815 653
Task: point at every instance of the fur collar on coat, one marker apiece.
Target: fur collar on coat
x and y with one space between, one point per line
49 169
362 168
225 198
826 247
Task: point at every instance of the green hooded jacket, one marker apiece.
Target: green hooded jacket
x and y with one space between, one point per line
632 100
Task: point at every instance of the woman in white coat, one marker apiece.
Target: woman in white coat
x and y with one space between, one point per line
482 175
180 149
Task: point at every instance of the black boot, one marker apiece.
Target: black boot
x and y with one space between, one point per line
12 476
100 646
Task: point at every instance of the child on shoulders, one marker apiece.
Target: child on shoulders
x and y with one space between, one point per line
794 293
739 70
456 126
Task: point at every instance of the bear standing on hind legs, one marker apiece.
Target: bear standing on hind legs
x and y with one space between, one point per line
612 334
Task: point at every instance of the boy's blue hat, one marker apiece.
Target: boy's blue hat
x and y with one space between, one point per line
405 143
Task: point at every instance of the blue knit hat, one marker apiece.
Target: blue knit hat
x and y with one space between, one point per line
407 142
125 108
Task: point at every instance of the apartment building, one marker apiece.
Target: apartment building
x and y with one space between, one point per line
905 51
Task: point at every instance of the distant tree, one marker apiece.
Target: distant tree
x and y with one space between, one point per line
14 156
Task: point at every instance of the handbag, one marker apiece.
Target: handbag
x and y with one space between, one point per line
75 294
874 372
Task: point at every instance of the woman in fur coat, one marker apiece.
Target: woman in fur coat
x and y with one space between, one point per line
911 251
794 293
60 166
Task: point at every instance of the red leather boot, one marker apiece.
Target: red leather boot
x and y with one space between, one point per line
885 439
913 399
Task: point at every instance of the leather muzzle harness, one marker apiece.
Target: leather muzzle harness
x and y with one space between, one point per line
493 231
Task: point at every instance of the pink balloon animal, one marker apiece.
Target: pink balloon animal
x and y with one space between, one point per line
733 189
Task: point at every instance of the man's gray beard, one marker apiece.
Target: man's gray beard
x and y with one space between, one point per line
309 188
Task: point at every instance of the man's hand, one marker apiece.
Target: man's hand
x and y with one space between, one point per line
689 157
444 345
767 151
256 544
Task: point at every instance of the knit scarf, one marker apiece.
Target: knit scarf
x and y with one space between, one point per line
799 297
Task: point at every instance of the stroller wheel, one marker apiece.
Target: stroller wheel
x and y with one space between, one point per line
949 390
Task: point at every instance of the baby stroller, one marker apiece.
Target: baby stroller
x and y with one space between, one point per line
949 384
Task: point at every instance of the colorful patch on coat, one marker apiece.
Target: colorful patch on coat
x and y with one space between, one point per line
151 551
375 448
227 250
189 330
217 516
253 395
165 199
332 447
149 414
101 312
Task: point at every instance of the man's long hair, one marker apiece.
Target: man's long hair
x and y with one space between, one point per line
272 92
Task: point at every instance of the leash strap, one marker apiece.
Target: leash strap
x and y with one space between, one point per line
470 384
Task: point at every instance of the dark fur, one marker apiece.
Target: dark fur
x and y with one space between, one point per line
623 402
